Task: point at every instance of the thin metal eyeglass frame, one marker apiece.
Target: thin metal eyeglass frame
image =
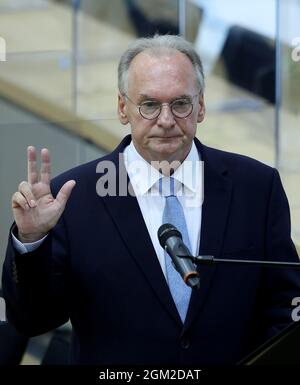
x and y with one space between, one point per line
161 106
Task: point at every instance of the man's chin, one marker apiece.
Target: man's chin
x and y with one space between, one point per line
167 147
167 144
166 151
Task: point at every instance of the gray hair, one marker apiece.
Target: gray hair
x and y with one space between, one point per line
157 45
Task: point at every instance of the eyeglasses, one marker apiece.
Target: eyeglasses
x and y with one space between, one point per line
151 109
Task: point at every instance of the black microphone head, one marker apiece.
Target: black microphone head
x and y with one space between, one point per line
165 232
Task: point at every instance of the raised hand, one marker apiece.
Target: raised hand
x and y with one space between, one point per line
35 210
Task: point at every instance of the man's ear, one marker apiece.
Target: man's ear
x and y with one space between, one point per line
201 112
122 109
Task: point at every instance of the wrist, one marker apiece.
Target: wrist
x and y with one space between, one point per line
30 238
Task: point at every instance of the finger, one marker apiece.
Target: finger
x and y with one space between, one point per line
65 192
25 190
45 166
32 174
18 200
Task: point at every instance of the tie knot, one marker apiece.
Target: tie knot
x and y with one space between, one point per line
168 186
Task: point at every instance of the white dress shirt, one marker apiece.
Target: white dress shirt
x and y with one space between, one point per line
144 179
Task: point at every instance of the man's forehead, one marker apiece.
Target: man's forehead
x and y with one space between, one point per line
148 73
149 67
158 55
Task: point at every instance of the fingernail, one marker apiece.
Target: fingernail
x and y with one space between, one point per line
32 203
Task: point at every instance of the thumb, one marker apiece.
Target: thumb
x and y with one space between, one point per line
65 192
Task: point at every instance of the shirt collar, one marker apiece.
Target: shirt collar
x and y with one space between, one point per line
144 177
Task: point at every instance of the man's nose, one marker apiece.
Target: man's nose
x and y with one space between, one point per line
166 117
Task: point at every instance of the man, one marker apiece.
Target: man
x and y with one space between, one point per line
78 253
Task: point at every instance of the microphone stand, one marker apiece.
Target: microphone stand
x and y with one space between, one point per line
210 260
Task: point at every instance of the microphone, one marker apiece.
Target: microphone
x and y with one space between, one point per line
170 240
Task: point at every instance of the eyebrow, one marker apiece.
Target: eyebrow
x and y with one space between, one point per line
143 97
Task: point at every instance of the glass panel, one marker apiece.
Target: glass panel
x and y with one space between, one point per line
289 114
102 39
237 46
38 42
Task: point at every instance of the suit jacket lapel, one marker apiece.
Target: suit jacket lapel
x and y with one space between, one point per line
126 214
215 209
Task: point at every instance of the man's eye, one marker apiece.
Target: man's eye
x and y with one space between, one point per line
150 107
150 104
181 102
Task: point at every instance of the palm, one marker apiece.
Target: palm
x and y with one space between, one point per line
44 210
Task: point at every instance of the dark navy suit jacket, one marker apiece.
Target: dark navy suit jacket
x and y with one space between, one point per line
98 267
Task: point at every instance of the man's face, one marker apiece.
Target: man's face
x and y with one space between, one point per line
163 79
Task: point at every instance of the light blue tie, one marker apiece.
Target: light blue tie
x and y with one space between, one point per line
173 214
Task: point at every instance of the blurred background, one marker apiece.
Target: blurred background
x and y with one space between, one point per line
58 89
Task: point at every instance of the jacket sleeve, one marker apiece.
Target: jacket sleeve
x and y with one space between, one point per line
36 285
